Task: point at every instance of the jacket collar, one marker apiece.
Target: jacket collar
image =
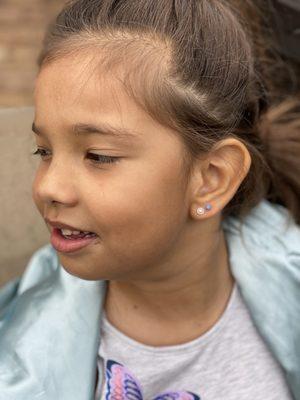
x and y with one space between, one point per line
265 261
50 320
49 332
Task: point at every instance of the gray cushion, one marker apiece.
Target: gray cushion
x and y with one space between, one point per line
22 229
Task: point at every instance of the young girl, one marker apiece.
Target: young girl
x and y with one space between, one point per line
170 274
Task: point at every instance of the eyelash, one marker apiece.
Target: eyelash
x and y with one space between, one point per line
100 159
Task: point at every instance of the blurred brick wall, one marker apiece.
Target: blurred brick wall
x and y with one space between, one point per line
22 26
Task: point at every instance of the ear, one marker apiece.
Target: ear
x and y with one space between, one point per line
217 177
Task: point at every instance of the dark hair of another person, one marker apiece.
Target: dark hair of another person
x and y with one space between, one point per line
204 68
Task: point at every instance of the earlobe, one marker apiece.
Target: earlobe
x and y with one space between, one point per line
203 210
223 171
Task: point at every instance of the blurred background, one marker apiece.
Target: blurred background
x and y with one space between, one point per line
22 230
22 25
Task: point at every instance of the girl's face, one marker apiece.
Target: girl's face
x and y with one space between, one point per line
137 204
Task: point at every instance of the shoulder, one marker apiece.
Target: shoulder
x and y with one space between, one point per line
264 257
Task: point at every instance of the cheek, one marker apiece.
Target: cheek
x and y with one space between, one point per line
137 200
140 218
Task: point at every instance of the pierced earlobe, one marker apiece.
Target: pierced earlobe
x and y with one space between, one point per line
202 210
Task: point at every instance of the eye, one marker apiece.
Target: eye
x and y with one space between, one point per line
40 152
101 159
96 158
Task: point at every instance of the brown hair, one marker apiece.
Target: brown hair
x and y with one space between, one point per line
199 67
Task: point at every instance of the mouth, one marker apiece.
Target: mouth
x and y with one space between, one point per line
66 242
73 235
63 226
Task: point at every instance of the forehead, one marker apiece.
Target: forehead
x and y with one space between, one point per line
77 83
75 90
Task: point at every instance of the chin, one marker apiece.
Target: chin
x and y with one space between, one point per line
72 268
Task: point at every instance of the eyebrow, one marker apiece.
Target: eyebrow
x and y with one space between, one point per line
89 129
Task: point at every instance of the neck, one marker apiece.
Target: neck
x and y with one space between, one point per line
177 309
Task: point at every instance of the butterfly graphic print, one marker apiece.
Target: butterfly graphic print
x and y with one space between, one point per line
122 385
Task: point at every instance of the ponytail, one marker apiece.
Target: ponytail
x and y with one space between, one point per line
279 124
280 131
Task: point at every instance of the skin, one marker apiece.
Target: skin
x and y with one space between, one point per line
168 268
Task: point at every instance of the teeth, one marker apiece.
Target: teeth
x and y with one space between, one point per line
68 232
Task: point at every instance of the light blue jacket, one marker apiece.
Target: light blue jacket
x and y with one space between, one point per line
50 320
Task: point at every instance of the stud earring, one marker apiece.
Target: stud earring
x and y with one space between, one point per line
201 210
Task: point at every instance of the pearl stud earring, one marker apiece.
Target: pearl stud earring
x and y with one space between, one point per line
201 210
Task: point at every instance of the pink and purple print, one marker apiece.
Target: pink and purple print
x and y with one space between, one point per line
122 385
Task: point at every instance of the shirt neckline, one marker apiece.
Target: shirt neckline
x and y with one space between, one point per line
201 340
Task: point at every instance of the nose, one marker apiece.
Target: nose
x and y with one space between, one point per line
55 183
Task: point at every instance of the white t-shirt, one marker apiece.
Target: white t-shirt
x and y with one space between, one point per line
229 362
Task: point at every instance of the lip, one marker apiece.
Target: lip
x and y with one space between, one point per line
61 225
64 245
